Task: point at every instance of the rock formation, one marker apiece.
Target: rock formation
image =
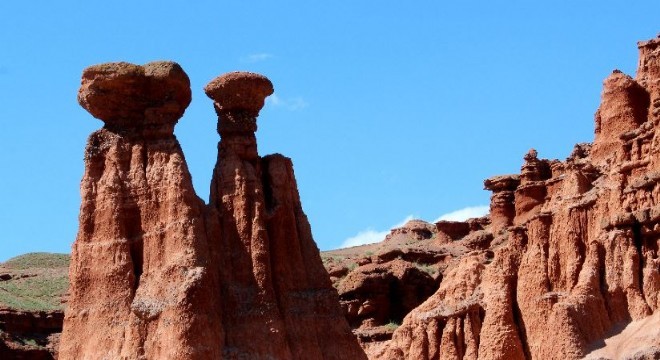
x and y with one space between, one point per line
32 335
379 284
158 274
574 255
566 265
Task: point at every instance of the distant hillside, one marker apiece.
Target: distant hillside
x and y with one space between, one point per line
34 282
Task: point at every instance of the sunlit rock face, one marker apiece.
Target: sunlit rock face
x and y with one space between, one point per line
575 249
158 274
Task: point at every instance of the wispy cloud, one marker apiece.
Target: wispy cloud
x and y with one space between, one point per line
370 236
292 104
254 58
465 213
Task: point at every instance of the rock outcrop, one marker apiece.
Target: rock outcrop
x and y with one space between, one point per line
379 284
378 294
566 264
30 335
158 274
574 252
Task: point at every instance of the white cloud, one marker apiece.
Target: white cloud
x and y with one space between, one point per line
297 103
465 213
274 99
253 58
370 236
291 104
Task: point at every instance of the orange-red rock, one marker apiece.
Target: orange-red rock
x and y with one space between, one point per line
276 297
30 335
575 248
377 294
156 273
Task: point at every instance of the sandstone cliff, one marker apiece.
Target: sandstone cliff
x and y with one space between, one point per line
573 255
158 274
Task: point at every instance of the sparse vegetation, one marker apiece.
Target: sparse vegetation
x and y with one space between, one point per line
38 260
331 259
38 281
429 269
30 342
392 325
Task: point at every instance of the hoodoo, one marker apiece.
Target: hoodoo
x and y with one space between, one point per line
158 274
277 299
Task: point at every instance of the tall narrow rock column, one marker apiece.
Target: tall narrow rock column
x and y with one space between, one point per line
140 285
283 304
254 328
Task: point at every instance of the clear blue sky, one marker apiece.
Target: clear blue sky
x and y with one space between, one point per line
388 108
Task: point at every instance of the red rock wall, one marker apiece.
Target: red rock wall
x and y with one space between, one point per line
576 245
157 274
29 334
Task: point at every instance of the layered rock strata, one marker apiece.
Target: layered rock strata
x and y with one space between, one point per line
158 274
30 335
270 267
379 284
574 255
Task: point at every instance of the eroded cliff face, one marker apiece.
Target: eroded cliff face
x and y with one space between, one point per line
158 274
575 249
30 335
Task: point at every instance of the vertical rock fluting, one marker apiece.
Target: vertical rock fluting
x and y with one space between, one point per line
576 249
274 270
156 273
140 280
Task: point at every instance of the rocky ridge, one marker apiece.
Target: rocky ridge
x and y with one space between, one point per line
566 266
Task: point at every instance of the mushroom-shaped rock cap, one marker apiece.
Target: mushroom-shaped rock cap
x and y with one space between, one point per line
239 90
126 95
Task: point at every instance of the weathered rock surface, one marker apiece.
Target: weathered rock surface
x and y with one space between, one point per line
575 248
567 264
29 334
377 294
156 273
379 284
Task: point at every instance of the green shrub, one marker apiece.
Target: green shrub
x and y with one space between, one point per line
392 325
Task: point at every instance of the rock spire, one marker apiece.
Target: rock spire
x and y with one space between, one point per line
158 274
